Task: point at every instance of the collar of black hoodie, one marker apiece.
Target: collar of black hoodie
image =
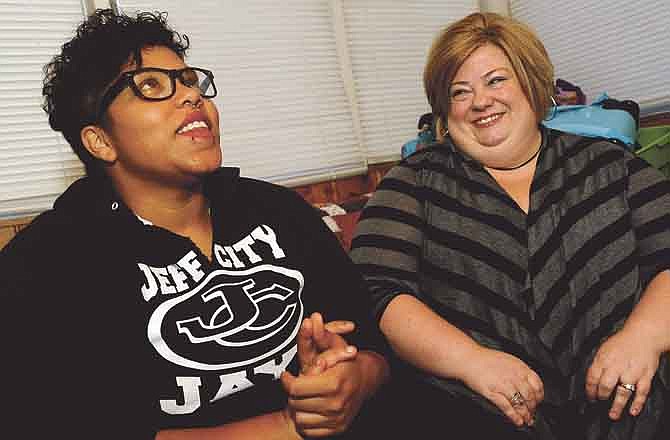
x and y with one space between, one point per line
95 195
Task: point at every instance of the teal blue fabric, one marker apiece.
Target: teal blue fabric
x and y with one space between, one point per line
594 121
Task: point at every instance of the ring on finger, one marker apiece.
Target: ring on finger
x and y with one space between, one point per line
517 399
628 386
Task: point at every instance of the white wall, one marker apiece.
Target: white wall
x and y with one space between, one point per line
95 4
499 6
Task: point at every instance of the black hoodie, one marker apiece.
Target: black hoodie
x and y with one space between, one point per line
113 328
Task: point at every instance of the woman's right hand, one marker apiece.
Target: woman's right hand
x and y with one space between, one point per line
498 376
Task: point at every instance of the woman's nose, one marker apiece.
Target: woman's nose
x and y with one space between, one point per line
481 99
186 94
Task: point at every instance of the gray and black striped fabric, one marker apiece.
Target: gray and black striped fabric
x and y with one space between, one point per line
548 286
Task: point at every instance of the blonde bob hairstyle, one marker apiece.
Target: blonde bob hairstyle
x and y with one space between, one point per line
458 41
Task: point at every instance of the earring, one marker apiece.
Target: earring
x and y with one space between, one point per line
441 128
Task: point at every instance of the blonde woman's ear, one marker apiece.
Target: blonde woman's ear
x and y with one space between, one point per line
441 131
97 143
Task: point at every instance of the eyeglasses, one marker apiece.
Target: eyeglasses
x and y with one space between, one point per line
155 84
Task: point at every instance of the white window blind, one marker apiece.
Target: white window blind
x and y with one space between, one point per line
36 163
388 42
284 111
619 46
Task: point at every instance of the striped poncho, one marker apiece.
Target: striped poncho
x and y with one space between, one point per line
548 286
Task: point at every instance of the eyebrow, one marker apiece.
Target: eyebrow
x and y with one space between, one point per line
487 74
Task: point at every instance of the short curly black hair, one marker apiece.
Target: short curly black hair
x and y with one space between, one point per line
76 79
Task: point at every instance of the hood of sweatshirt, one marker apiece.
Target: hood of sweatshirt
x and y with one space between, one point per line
95 196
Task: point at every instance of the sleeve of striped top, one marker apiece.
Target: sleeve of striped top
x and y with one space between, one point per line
649 201
388 239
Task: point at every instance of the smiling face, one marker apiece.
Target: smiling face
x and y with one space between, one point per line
489 117
163 143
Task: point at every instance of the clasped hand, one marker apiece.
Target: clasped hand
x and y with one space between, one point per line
327 394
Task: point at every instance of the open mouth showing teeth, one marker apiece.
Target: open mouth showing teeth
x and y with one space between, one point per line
488 119
191 126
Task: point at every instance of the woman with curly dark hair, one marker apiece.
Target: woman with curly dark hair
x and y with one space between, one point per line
165 296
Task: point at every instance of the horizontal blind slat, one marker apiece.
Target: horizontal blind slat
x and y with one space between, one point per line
619 49
36 164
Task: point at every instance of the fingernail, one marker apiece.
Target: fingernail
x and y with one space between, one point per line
531 422
634 411
350 349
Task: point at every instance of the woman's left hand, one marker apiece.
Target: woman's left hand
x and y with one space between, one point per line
326 396
624 364
325 403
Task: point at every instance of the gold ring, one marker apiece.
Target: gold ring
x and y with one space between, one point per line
628 386
517 399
